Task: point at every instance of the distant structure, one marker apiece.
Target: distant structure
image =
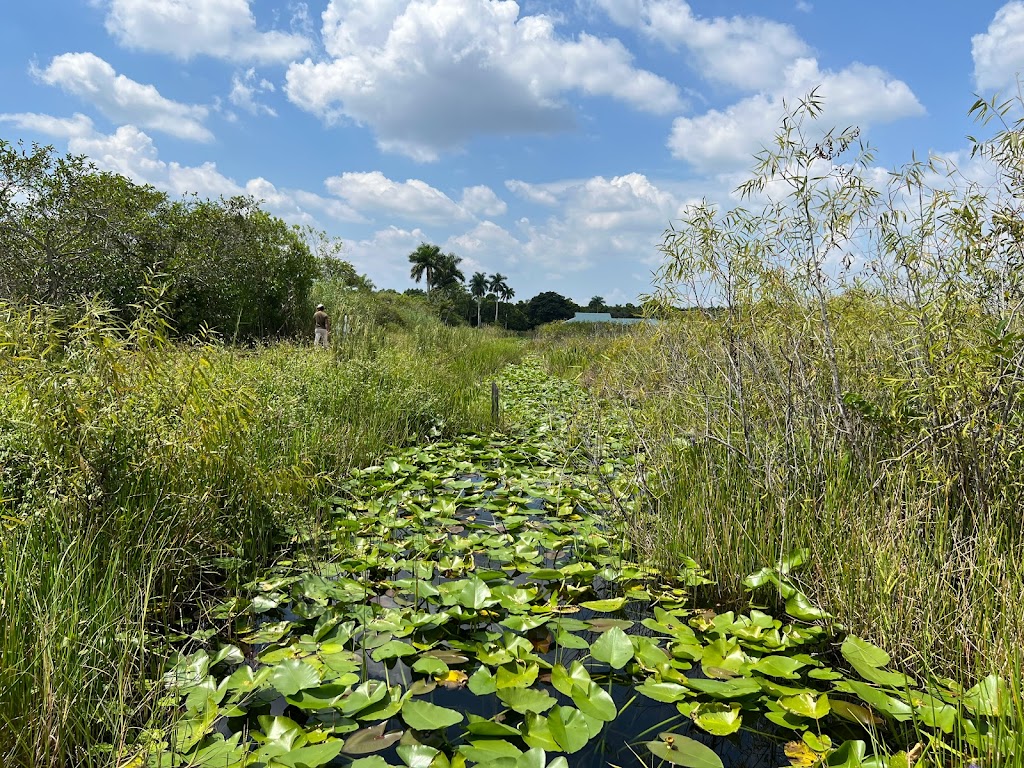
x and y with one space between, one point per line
606 317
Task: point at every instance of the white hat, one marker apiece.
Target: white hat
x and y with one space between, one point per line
319 306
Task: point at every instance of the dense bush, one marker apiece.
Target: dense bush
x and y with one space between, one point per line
69 231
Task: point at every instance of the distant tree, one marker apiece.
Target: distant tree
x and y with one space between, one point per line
549 306
506 294
596 304
447 275
478 288
425 260
333 267
497 285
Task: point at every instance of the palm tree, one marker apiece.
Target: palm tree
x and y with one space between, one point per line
425 260
506 294
446 271
497 284
478 287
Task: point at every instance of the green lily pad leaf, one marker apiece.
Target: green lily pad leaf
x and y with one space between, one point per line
323 697
524 700
482 682
532 758
566 681
417 755
424 716
363 696
311 756
609 605
613 647
428 665
595 701
716 718
603 625
855 713
850 754
569 640
857 651
880 702
668 693
475 595
680 750
883 676
387 707
290 677
393 650
536 732
525 623
725 689
451 658
806 705
722 654
778 666
516 674
988 698
800 607
934 712
486 750
374 761
569 727
369 740
481 726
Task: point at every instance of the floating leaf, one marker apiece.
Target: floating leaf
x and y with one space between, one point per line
857 651
569 727
778 666
613 647
595 701
605 606
290 677
370 740
717 719
855 713
680 750
525 700
424 716
806 705
311 756
988 698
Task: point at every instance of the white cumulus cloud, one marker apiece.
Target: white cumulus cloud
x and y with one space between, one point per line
122 99
413 199
60 127
748 52
245 90
428 75
726 139
224 29
999 52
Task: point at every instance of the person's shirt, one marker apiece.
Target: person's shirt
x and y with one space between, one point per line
321 320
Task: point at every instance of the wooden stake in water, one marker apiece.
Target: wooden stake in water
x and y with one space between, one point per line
495 411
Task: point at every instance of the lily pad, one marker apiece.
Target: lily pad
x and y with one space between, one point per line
424 716
681 750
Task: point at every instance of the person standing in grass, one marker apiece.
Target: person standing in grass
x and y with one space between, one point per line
321 326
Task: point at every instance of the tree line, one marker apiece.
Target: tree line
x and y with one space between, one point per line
69 230
447 289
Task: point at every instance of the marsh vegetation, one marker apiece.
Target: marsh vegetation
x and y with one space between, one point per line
782 526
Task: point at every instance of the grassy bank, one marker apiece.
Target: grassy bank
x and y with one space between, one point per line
848 380
136 472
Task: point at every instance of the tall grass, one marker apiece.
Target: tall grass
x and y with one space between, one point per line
132 469
852 386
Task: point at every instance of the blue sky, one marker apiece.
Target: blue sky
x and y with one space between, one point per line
550 141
